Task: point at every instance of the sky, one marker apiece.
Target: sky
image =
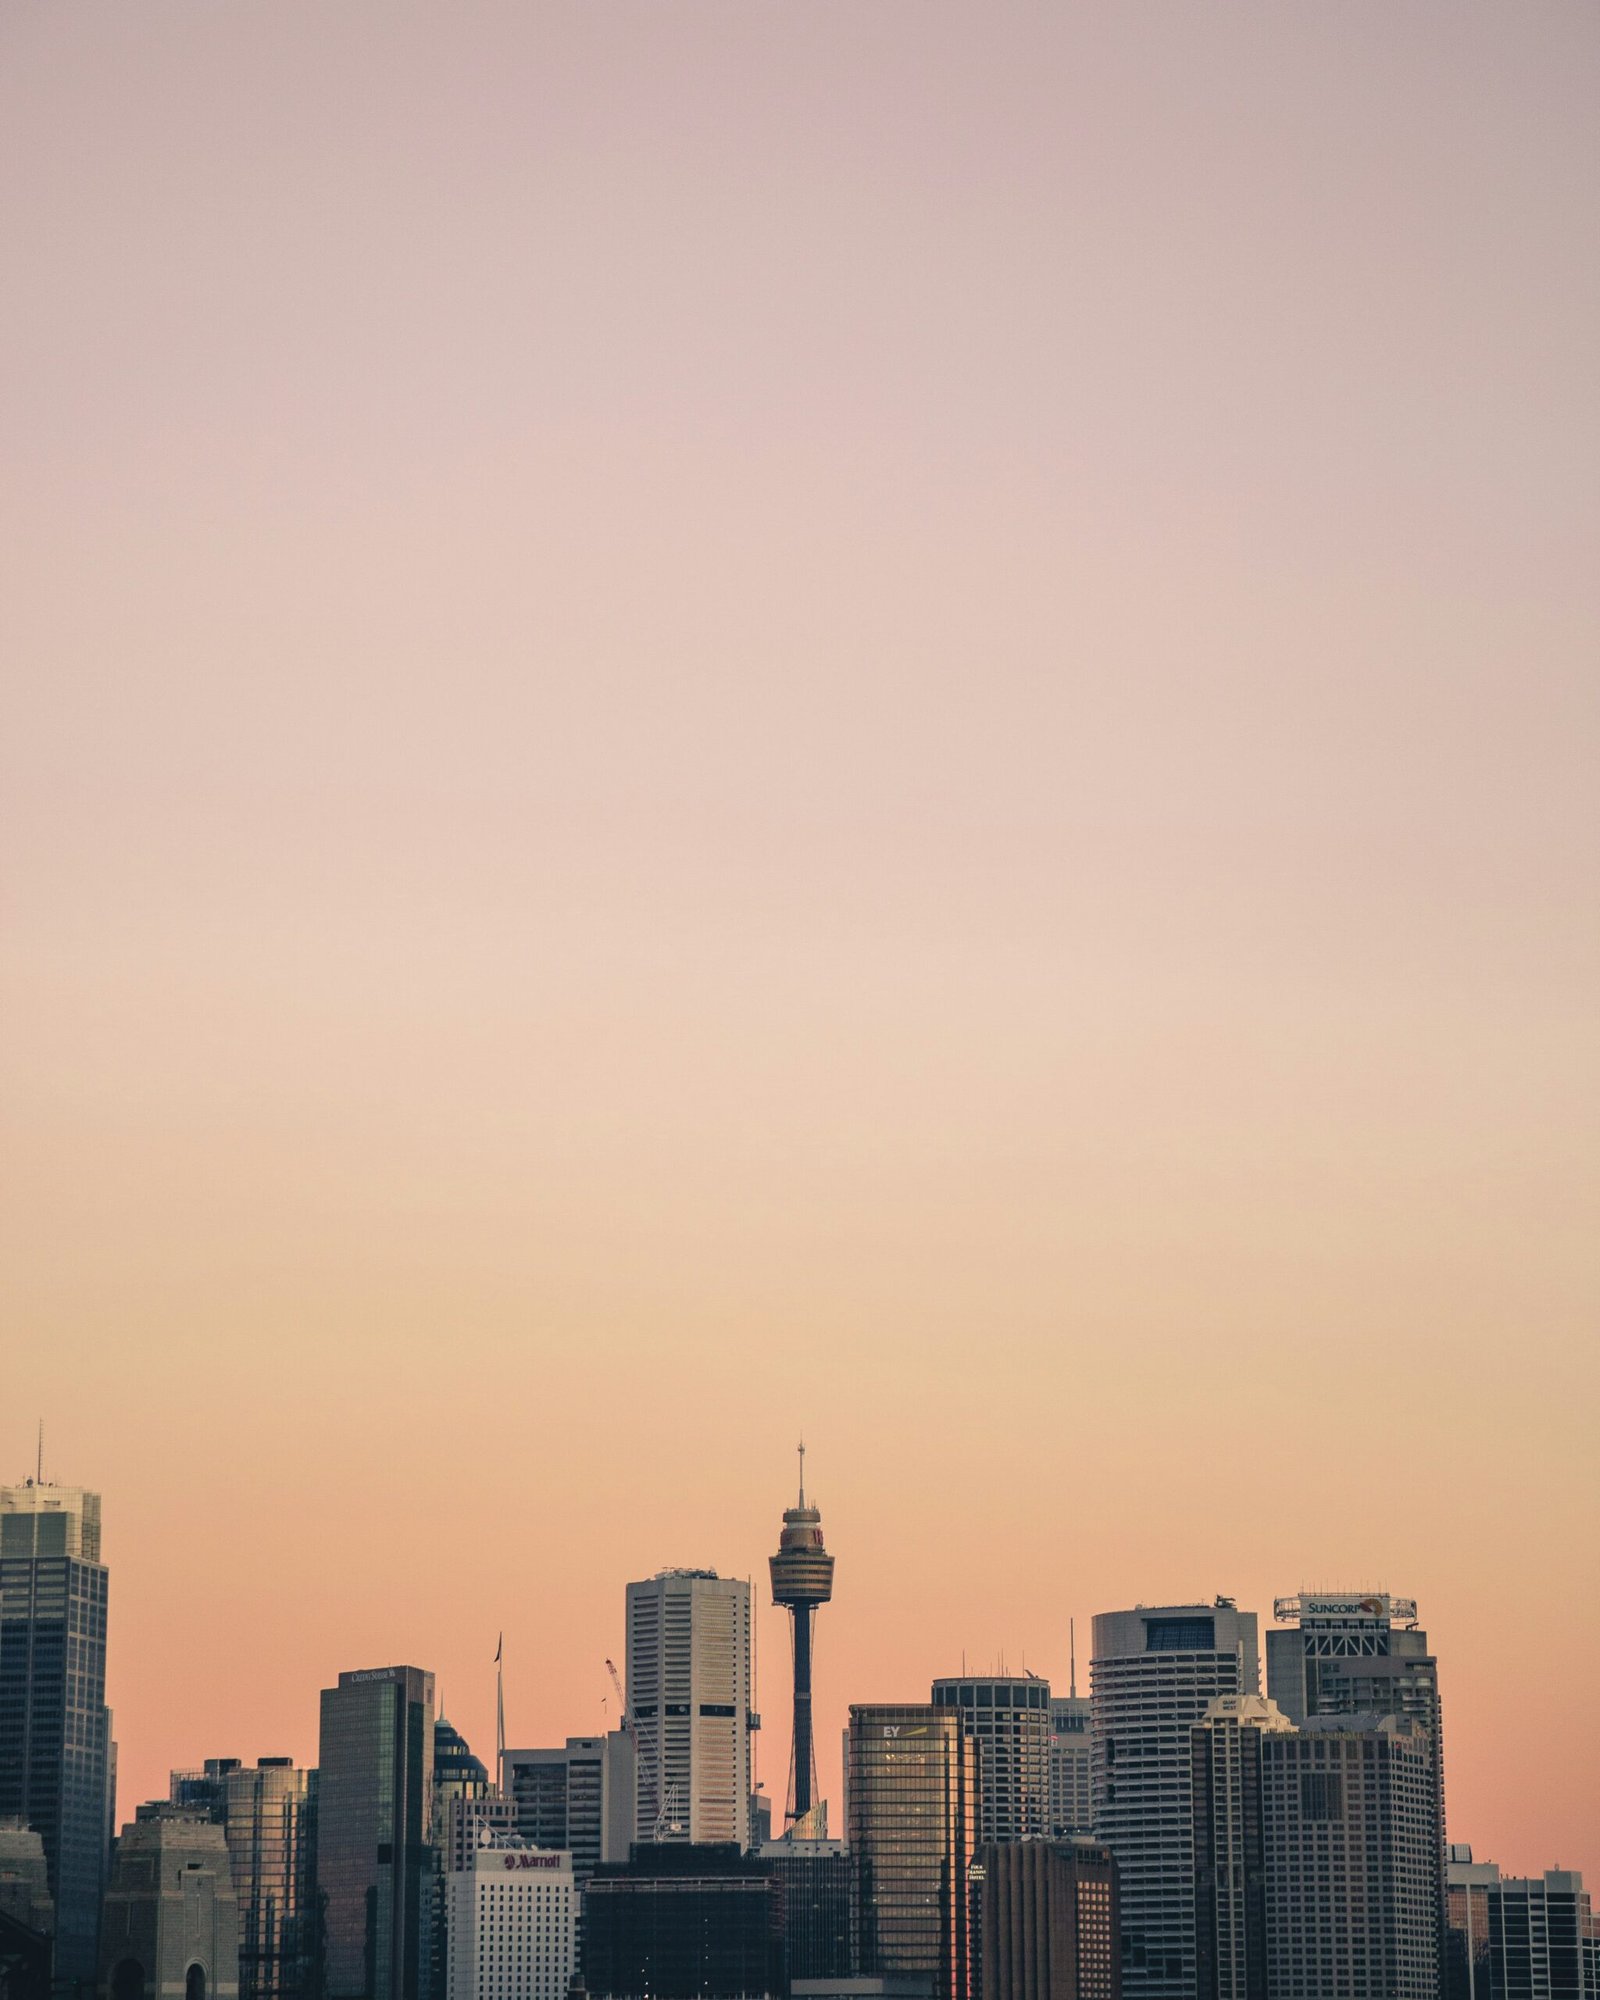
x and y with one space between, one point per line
865 718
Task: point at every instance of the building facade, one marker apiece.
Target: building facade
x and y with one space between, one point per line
267 1812
56 1756
579 1798
1153 1674
1518 1937
1071 1767
814 1877
680 1922
1230 1911
512 1923
1050 1921
1363 1654
689 1706
171 1922
1009 1720
1347 1820
374 1822
911 1784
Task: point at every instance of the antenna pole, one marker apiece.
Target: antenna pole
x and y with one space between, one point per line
1072 1641
39 1472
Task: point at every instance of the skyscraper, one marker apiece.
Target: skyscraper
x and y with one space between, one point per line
1230 1895
578 1799
911 1784
1353 1654
689 1705
374 1819
267 1814
1009 1720
1050 1923
1153 1674
1530 1937
55 1728
802 1579
1347 1824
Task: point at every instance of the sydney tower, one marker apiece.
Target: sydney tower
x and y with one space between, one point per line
802 1578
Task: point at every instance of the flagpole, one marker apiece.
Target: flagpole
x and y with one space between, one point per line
500 1716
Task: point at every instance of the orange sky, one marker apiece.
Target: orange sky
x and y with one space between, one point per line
730 718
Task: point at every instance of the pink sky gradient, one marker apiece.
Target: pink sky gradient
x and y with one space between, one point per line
864 717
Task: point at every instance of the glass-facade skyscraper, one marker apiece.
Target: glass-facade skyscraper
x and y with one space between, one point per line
55 1728
374 1822
268 1815
912 1785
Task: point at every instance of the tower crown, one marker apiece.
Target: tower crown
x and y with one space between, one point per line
802 1570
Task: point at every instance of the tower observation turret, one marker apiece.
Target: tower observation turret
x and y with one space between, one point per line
802 1578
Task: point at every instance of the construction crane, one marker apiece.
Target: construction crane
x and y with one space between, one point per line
643 1774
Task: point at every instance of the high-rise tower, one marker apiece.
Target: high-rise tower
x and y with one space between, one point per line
802 1578
55 1728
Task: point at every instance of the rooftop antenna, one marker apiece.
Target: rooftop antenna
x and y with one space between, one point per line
1072 1641
39 1472
802 1472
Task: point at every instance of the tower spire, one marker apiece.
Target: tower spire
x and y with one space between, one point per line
1072 1641
802 1472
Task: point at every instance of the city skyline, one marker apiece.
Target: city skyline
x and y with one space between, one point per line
474 1715
732 719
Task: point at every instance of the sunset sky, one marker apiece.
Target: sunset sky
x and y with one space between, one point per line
839 715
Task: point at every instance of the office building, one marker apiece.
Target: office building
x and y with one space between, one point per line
1362 1653
1229 1856
689 1705
374 1821
578 1798
1347 1835
1467 1886
1009 1720
55 1728
1518 1937
1153 1674
802 1581
267 1815
1071 1767
911 1784
1050 1921
512 1923
171 1923
682 1922
814 1876
457 1774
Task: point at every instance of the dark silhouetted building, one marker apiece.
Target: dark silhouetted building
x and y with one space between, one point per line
682 1922
815 1878
171 1922
374 1821
1049 1923
911 1783
55 1728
